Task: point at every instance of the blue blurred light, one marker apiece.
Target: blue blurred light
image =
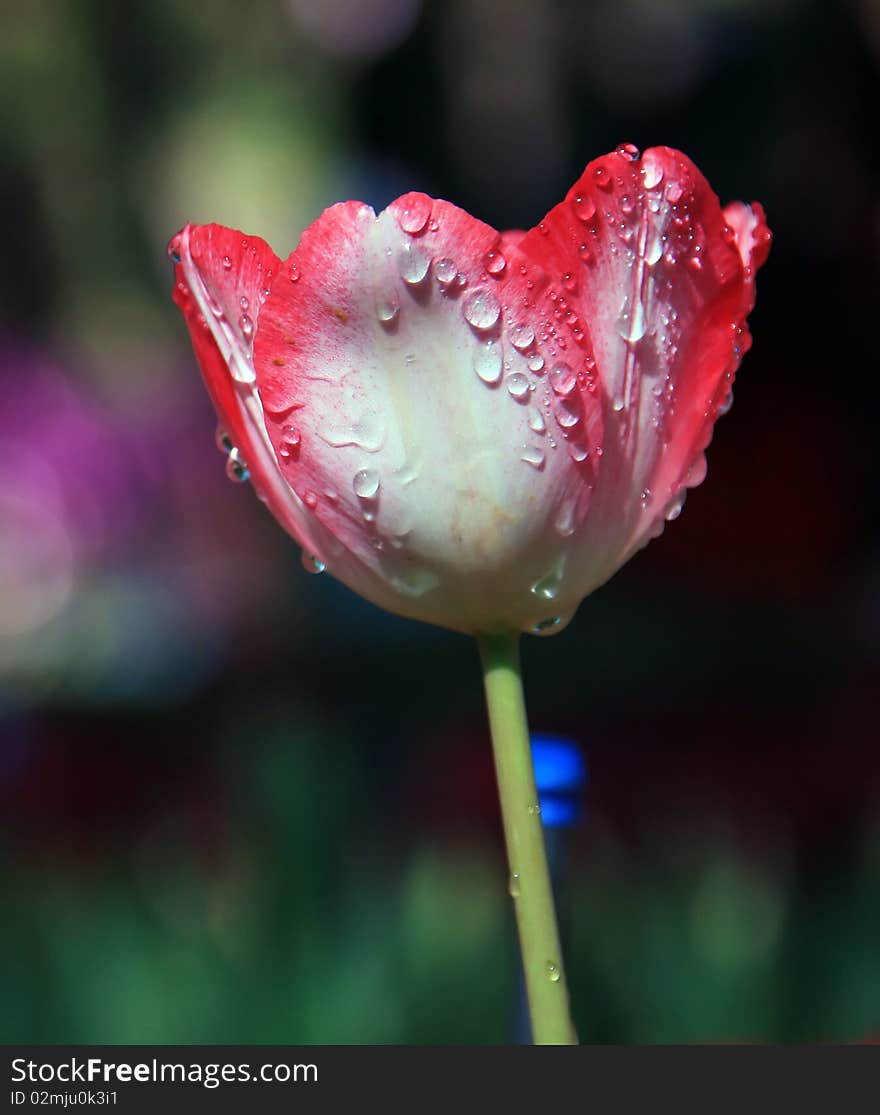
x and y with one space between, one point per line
559 764
560 775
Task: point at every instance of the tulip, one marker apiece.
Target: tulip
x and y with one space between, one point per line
476 429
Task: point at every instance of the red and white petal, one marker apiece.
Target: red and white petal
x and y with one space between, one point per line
432 412
222 280
659 275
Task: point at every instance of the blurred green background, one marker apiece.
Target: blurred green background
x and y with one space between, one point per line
241 805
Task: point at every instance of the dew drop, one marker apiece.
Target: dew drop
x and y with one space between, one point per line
518 385
312 564
584 207
227 263
445 271
536 363
481 309
488 362
243 302
546 625
628 151
552 971
726 404
652 174
246 325
293 273
534 456
578 452
310 499
513 885
414 216
413 265
533 809
602 178
290 439
568 412
236 469
522 337
366 483
562 378
565 517
495 263
675 507
547 587
536 420
387 312
223 441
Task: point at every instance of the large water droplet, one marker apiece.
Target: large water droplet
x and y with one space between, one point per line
246 325
518 385
445 271
536 420
563 378
675 507
536 363
413 264
568 412
522 336
652 174
534 456
366 483
387 311
414 216
631 323
495 263
488 362
368 433
565 517
481 309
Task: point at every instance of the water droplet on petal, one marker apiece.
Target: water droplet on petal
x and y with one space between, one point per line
387 312
290 439
628 151
312 564
513 888
726 404
243 302
536 363
577 452
602 178
562 378
293 273
547 587
518 385
522 337
246 325
584 207
675 507
413 264
568 412
495 263
236 469
534 456
652 175
414 216
565 517
546 625
488 362
481 309
227 263
445 271
536 420
310 499
223 441
366 483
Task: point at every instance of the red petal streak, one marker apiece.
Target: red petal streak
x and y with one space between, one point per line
663 280
222 279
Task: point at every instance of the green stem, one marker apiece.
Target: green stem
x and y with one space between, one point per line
529 876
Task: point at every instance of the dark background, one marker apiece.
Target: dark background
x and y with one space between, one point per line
241 805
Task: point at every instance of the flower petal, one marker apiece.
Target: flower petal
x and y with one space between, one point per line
663 279
447 424
222 280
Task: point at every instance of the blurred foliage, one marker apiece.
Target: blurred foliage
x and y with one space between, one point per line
241 805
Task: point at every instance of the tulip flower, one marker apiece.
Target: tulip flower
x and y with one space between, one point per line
476 429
